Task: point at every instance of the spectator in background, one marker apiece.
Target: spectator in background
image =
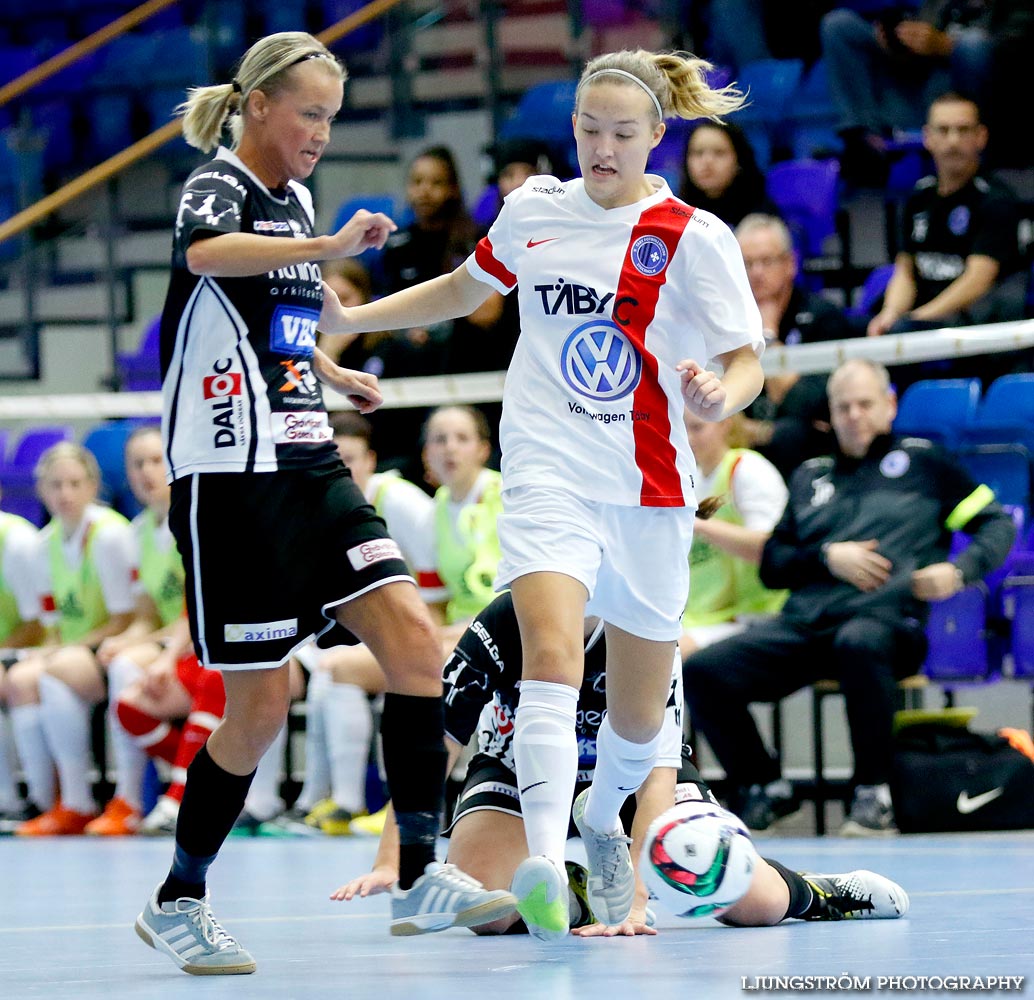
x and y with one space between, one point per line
19 627
882 73
862 546
789 421
721 174
441 236
726 551
960 261
86 565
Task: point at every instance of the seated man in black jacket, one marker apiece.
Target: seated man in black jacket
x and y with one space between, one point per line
862 546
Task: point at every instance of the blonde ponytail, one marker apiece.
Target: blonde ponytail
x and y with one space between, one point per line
676 81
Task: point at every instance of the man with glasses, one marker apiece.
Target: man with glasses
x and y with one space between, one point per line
959 262
789 421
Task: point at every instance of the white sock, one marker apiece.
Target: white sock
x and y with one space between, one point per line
130 759
66 724
9 797
545 753
316 785
621 767
349 724
263 801
37 763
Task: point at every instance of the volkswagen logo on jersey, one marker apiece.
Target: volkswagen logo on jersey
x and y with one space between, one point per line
293 330
599 362
649 255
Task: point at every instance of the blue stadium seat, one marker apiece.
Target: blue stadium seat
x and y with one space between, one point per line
1006 413
544 112
938 409
140 370
18 483
381 202
806 192
770 85
1005 468
108 443
812 117
362 39
956 632
485 207
872 291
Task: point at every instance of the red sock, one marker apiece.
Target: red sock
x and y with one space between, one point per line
206 712
154 736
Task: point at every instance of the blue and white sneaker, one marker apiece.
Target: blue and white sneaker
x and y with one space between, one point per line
542 896
186 931
445 897
611 886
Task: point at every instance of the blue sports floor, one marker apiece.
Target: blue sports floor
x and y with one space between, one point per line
67 909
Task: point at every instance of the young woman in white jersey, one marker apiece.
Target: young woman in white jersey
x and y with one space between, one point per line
86 561
625 294
258 489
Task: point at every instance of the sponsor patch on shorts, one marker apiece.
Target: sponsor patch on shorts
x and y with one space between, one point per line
375 550
286 628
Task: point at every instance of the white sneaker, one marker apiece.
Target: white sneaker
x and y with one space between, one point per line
161 820
611 886
445 897
186 931
542 898
859 895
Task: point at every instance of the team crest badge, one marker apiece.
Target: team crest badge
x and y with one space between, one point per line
649 255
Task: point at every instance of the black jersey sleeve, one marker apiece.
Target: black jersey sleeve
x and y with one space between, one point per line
212 203
486 659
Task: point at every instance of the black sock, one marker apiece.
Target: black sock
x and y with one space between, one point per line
212 801
801 896
413 737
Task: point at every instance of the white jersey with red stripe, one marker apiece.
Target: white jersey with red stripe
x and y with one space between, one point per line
610 301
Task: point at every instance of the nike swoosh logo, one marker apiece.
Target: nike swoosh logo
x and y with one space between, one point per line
530 787
965 804
634 788
536 243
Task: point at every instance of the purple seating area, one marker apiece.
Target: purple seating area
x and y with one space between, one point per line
19 453
140 370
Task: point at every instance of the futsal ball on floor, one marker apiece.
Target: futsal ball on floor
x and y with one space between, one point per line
698 859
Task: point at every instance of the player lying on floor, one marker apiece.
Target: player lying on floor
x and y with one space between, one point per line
486 836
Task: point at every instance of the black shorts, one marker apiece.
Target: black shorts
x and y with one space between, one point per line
269 555
492 786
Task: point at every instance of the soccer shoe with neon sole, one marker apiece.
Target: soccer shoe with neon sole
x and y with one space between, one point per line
611 886
445 897
119 819
858 895
186 932
542 898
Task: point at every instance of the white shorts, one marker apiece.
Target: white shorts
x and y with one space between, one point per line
633 561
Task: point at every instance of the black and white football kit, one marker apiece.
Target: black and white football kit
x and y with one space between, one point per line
256 480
